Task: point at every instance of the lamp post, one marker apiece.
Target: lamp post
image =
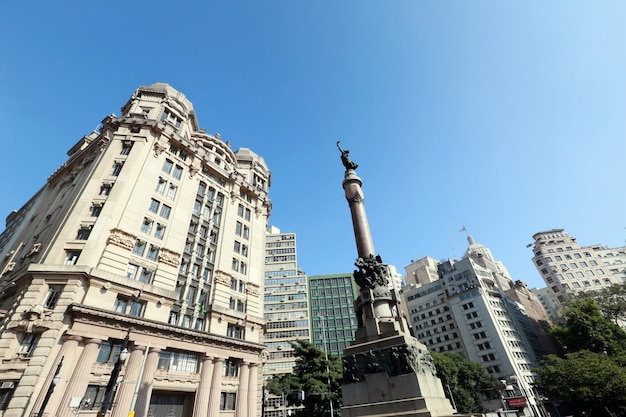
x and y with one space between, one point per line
55 380
109 391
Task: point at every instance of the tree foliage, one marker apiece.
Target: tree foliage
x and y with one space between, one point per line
466 380
592 376
586 328
585 381
319 379
611 300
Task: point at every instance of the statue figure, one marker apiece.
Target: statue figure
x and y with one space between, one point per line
371 272
345 159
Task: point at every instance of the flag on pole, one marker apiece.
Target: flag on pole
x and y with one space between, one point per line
463 229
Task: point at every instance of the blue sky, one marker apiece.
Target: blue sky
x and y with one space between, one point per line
508 118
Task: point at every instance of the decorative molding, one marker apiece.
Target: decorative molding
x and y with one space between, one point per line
169 257
122 239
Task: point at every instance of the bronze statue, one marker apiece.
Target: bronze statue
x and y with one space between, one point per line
345 159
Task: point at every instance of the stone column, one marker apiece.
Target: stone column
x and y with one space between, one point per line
79 380
242 391
65 353
352 187
126 388
201 404
253 389
216 387
147 381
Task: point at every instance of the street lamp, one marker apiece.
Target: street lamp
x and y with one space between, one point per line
109 391
55 380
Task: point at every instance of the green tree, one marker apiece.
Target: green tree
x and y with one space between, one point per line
611 300
585 381
466 380
319 379
586 328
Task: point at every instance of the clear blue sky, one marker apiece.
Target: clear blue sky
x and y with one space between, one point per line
506 117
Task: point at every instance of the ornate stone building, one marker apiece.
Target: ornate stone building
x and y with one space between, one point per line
149 240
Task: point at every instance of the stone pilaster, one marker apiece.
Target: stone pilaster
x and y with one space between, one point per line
126 388
79 380
242 391
216 387
201 405
253 388
147 382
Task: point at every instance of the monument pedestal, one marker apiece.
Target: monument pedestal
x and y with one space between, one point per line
392 376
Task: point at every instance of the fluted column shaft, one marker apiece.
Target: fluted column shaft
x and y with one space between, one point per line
147 382
126 388
242 391
253 388
355 197
216 387
67 350
77 384
201 405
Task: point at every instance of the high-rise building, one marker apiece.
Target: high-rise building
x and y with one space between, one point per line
332 309
286 313
567 268
472 307
149 240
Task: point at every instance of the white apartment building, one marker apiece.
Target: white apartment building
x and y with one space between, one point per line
150 240
286 301
463 308
566 267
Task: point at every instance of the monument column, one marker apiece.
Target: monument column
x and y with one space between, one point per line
386 371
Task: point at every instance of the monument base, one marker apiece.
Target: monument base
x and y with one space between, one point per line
392 376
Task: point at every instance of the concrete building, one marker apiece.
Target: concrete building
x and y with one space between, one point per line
472 307
286 313
567 268
332 308
152 229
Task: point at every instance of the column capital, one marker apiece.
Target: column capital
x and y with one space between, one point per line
71 337
93 340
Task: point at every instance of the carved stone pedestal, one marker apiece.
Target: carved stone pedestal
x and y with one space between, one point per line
393 376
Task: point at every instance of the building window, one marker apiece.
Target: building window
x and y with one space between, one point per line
84 232
178 172
93 397
160 186
52 296
124 305
234 331
199 324
28 345
160 231
231 368
201 188
117 168
109 351
167 166
227 400
105 189
153 253
6 393
127 145
154 205
171 191
95 209
140 247
165 211
146 226
178 361
71 257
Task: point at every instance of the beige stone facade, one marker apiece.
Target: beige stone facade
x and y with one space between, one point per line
154 229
